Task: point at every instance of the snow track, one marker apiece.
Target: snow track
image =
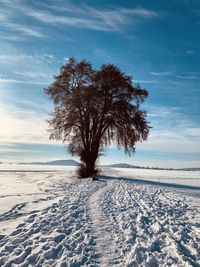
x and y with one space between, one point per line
139 225
152 227
102 230
111 222
57 236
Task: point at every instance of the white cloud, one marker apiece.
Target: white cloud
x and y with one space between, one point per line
163 111
48 56
25 30
172 141
186 77
35 68
82 16
29 31
22 57
28 125
146 81
33 74
190 52
177 83
8 37
12 148
22 126
93 18
14 57
162 73
193 5
4 80
171 132
194 132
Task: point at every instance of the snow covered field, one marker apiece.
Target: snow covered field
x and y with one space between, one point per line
130 217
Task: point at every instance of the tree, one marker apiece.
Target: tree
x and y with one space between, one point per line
93 108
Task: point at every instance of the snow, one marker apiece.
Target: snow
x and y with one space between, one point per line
130 217
185 178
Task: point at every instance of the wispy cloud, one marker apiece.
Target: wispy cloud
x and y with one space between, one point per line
194 6
8 37
7 22
190 52
163 112
162 73
171 131
194 132
21 57
173 141
92 18
186 77
25 30
33 74
34 68
146 81
7 58
22 125
3 81
78 16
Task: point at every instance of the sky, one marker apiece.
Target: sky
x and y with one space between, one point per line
156 42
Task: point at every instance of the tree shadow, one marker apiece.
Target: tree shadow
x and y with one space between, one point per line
149 182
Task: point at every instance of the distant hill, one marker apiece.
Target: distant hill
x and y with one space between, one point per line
189 169
125 165
69 162
122 165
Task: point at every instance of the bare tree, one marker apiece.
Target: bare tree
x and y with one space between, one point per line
93 108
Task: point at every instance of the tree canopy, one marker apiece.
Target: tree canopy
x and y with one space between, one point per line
93 108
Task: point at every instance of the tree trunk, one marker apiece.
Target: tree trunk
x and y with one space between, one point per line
90 167
87 169
88 157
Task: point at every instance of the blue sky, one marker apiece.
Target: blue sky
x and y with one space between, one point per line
157 42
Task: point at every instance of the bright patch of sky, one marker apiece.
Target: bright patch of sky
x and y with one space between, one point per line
157 42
